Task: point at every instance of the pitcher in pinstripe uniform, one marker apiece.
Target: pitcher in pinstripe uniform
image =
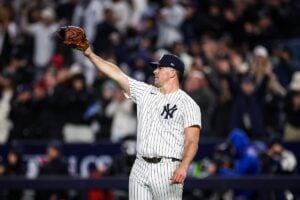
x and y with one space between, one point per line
169 123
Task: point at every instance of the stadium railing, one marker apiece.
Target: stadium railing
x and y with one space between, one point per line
259 183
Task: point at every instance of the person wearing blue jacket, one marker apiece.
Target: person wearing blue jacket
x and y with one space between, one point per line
245 160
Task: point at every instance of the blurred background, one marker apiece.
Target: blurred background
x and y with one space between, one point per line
60 116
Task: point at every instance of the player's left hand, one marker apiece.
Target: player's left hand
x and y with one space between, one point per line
179 176
74 37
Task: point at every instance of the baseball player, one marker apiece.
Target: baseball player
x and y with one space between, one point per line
169 123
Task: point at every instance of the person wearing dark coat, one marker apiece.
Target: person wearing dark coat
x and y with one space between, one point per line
55 165
105 32
78 99
197 87
21 114
15 166
247 104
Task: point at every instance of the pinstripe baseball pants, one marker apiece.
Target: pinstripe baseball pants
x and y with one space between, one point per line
150 181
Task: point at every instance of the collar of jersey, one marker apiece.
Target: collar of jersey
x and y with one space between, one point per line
157 91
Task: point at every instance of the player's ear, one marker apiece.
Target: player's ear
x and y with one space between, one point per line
173 73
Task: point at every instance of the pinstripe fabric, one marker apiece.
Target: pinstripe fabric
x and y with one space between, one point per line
152 181
160 132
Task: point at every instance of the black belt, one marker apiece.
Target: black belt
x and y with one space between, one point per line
158 159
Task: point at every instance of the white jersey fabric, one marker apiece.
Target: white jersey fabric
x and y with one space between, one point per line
162 119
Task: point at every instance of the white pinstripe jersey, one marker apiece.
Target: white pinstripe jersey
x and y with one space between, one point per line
162 119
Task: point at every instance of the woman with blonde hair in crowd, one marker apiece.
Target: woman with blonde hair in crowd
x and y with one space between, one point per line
260 65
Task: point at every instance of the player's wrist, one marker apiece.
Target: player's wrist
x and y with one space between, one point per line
184 166
87 52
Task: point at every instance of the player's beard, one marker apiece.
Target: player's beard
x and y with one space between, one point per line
157 83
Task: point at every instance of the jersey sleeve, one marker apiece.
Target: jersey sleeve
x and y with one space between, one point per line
136 89
192 114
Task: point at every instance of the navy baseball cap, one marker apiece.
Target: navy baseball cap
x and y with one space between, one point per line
170 60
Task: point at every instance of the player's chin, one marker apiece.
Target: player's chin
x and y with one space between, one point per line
157 83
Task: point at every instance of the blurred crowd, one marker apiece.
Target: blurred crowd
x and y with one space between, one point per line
236 156
54 163
240 156
239 68
242 68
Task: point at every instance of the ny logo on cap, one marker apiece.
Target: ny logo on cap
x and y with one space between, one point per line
168 112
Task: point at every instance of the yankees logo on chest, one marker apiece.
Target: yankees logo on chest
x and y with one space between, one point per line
168 111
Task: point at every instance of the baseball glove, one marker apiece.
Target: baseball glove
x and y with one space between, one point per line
73 36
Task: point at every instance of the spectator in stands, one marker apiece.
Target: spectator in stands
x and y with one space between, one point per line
245 160
261 65
213 62
124 122
8 32
107 92
274 93
266 29
53 106
189 25
148 32
292 110
213 21
169 19
122 163
278 160
221 116
55 161
15 163
17 69
206 168
21 113
197 87
247 104
55 165
232 24
139 67
41 127
139 7
87 14
283 68
207 28
238 62
64 17
104 32
15 167
78 98
42 31
122 12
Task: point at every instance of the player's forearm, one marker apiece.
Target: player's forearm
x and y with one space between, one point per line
190 150
109 69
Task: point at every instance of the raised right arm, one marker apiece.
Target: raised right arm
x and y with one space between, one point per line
109 69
